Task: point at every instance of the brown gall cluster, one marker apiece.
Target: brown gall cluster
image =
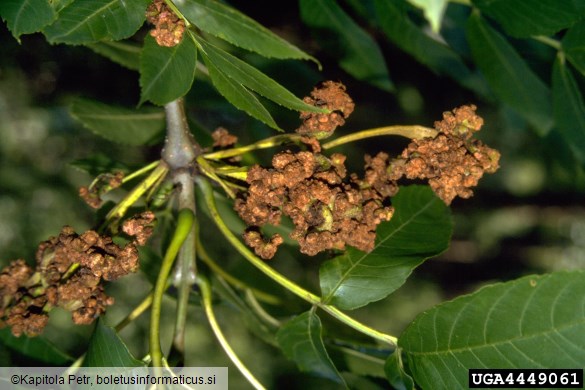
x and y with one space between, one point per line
331 96
330 209
453 161
70 270
222 138
168 27
310 189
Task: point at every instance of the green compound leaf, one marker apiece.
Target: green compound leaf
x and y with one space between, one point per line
568 108
86 21
532 322
508 74
420 229
574 46
253 79
237 94
120 125
525 18
229 24
300 340
106 349
38 348
166 73
122 53
359 55
26 16
412 39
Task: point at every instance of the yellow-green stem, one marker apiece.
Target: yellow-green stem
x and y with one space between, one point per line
209 171
138 310
207 305
412 132
184 224
548 41
120 209
140 171
261 295
262 144
280 279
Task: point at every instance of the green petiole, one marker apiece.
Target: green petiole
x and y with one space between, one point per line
185 222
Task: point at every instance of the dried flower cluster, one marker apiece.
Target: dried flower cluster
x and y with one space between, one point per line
168 27
453 161
330 210
332 97
309 188
69 273
222 138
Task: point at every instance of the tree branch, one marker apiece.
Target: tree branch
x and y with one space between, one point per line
180 152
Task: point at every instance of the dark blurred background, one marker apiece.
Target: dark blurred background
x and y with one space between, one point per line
529 217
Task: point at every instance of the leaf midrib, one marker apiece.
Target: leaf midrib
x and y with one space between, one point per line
85 20
155 79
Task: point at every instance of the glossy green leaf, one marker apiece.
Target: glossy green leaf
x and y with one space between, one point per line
58 5
26 16
238 95
38 348
166 73
122 53
253 79
89 21
508 74
532 322
106 349
118 124
358 53
568 108
433 11
300 340
420 229
574 46
225 22
395 372
525 18
398 27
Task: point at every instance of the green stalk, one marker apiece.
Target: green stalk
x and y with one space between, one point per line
140 171
207 305
138 310
548 41
412 132
262 144
261 295
120 209
184 226
280 279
